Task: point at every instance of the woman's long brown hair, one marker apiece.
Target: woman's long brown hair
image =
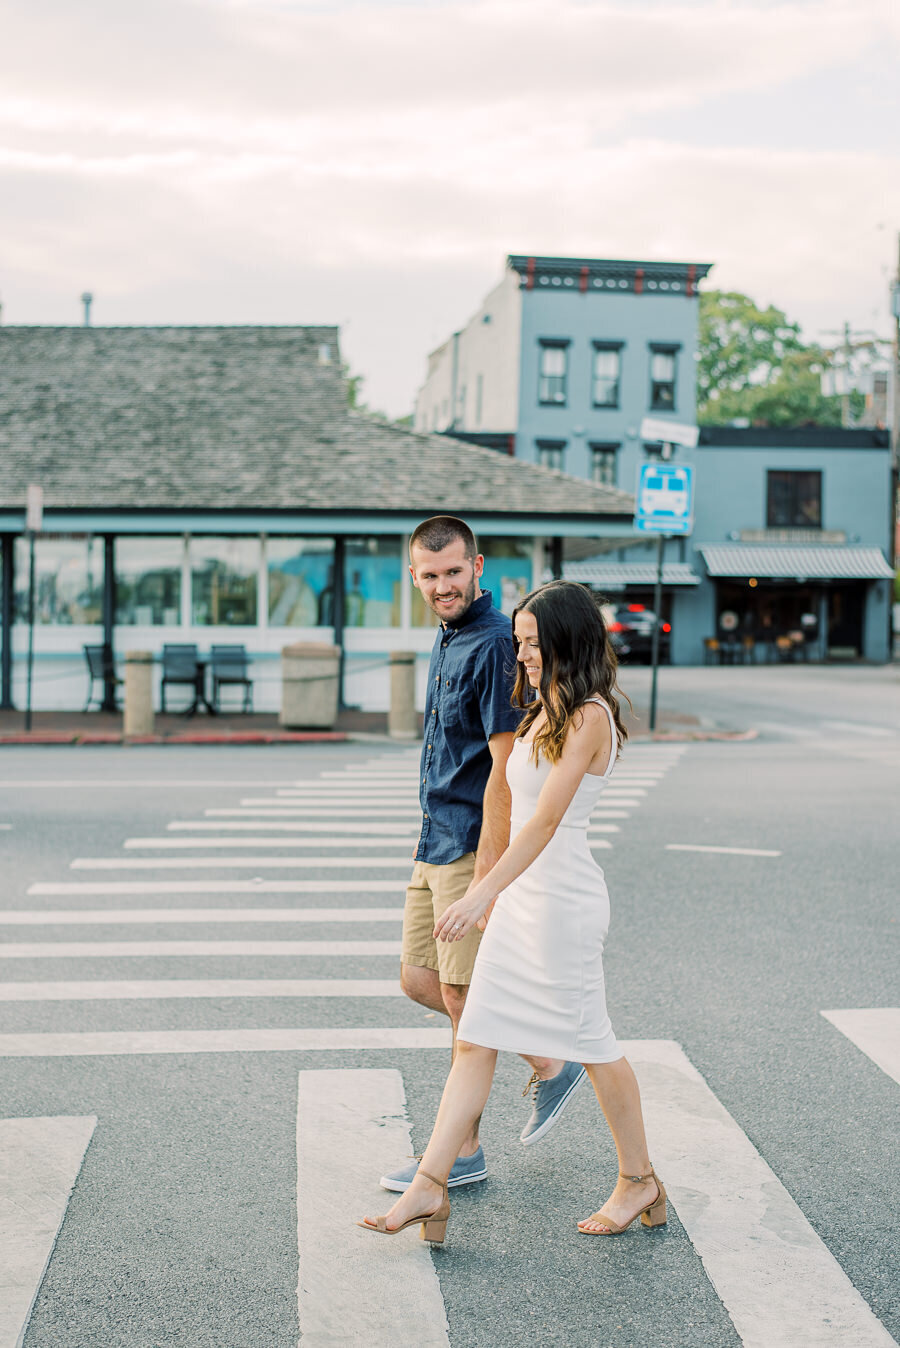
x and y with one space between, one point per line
578 663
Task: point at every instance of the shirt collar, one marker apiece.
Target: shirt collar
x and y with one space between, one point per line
475 611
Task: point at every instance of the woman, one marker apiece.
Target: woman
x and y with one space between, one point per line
538 982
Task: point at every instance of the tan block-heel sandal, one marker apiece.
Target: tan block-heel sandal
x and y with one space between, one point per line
434 1225
654 1214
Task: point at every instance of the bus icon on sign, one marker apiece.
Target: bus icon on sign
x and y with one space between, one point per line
664 498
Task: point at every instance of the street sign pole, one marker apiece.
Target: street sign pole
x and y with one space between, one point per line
34 519
664 505
657 609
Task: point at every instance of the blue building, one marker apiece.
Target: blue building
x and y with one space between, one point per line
564 359
792 529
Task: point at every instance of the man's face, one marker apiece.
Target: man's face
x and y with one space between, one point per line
448 580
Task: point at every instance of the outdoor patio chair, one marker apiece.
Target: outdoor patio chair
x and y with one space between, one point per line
181 665
101 666
229 667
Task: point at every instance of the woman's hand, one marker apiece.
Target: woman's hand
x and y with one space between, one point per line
462 917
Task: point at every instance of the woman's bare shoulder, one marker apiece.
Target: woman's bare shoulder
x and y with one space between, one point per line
590 722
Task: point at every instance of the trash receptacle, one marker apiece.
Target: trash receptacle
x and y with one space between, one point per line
309 685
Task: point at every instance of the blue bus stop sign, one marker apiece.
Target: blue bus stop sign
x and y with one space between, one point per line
664 500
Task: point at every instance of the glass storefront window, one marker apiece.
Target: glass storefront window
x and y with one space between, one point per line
224 581
301 582
507 570
148 581
68 581
373 575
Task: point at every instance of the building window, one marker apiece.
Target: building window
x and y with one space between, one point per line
373 576
224 581
148 581
301 582
662 377
604 464
554 362
68 581
607 371
793 499
551 453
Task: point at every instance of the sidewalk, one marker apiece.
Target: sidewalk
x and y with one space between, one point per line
97 727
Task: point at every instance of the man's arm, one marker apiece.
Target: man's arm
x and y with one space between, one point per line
494 836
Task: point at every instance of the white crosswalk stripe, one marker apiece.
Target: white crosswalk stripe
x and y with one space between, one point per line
172 949
81 917
39 1164
166 989
398 863
875 1031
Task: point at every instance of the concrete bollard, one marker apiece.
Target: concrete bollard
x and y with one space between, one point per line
138 693
402 715
309 685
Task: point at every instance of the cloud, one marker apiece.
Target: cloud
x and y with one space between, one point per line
182 156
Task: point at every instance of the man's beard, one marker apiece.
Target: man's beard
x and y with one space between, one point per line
466 600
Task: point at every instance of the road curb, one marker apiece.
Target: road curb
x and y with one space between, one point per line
236 737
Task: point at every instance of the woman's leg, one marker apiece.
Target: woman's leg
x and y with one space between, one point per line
465 1096
616 1088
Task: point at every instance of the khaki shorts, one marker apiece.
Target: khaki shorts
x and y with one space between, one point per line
431 891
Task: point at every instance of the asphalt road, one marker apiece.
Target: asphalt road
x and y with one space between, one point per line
182 1225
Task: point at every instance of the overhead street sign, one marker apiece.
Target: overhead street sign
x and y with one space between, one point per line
670 432
664 500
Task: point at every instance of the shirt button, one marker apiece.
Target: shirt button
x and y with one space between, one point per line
429 746
424 816
434 711
448 683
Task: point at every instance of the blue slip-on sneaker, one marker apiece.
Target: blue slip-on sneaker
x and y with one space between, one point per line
550 1099
465 1170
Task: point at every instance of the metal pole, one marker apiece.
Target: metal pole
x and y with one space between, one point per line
109 618
6 609
338 617
657 607
30 666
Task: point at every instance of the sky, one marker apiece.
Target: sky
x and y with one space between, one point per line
371 163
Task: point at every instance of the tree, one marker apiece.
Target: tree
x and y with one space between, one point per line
754 364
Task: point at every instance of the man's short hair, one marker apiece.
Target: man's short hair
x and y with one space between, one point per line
440 531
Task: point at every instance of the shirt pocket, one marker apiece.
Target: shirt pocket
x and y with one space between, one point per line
454 710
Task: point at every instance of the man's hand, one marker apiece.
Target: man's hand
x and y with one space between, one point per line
483 921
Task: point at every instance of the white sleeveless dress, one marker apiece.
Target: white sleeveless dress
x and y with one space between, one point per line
538 985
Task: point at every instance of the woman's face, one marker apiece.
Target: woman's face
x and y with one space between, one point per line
529 652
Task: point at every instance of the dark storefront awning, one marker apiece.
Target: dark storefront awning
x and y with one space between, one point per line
795 563
617 575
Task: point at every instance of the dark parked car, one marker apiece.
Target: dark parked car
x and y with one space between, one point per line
631 632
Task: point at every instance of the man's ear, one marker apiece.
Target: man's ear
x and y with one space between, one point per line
412 572
479 565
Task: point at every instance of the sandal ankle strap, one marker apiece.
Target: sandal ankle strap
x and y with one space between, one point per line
637 1179
440 1183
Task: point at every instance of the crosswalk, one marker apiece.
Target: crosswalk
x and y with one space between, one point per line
344 842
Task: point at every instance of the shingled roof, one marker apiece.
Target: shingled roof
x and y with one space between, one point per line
236 418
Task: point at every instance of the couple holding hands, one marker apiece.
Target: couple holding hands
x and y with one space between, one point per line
512 767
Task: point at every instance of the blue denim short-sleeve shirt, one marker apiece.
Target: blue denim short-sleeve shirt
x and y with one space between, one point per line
470 680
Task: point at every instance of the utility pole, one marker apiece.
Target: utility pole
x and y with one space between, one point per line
844 371
895 366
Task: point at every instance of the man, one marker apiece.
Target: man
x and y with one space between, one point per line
469 732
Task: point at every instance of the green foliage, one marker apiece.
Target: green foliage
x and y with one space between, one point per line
753 363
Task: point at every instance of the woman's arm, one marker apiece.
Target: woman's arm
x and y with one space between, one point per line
584 741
